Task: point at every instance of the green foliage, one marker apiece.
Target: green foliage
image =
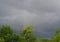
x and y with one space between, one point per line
56 37
28 35
7 35
2 39
5 29
27 29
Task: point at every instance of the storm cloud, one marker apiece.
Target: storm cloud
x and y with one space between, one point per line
42 14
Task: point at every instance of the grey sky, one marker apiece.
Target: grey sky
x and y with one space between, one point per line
40 13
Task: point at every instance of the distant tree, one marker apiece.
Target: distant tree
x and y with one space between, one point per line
38 40
50 40
44 40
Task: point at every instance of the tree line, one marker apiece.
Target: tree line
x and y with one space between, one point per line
7 35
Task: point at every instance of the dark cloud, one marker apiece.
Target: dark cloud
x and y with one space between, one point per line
40 13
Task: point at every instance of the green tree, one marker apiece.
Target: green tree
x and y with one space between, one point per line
28 35
7 34
56 37
5 29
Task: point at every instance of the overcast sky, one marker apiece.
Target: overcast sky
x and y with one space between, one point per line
39 13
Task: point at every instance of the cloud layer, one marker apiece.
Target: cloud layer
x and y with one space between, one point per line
40 13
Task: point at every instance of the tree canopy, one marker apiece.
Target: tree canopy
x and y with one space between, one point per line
26 35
